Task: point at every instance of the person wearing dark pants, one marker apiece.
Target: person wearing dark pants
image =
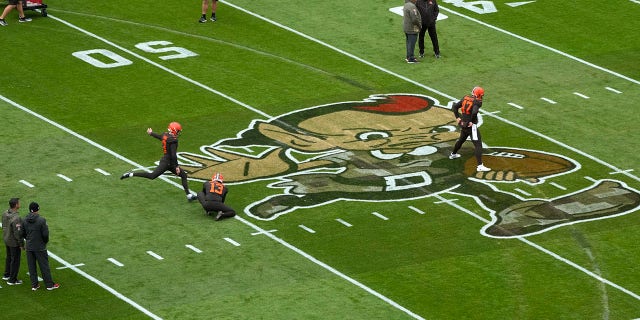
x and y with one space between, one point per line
12 236
36 232
169 160
429 13
411 25
466 113
212 198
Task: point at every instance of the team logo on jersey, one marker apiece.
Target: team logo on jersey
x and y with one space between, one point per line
395 147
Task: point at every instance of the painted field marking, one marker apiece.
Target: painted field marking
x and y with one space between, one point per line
103 172
581 95
64 177
621 171
104 286
26 183
416 209
307 229
75 265
232 242
515 105
635 1
193 248
557 186
379 215
613 90
116 262
155 255
517 4
548 100
263 232
344 222
522 191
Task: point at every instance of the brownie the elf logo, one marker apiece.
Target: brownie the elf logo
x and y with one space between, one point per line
394 147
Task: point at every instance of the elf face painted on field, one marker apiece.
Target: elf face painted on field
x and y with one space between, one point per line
384 148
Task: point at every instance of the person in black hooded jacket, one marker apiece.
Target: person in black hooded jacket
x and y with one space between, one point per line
36 232
429 11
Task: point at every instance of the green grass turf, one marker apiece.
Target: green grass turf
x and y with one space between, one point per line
436 265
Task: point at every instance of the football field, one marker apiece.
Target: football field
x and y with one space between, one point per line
335 152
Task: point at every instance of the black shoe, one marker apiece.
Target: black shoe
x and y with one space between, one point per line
202 19
191 197
213 17
219 216
411 60
126 175
421 54
3 23
24 19
437 56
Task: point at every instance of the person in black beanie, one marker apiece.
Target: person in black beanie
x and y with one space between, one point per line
36 231
429 11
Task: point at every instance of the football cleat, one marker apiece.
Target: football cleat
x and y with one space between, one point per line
174 128
191 197
478 92
126 175
454 156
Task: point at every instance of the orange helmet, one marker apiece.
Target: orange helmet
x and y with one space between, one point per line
217 177
478 92
174 128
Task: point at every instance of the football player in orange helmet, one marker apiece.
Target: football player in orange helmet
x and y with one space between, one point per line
466 113
169 160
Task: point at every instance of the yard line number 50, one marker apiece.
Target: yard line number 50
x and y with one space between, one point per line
111 59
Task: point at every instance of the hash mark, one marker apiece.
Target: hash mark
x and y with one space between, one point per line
379 216
344 222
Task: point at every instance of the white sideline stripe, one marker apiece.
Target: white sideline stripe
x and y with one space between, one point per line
515 105
416 209
232 242
344 223
613 90
104 286
116 262
379 215
64 177
581 95
635 1
103 172
621 171
306 228
26 183
193 248
548 100
155 255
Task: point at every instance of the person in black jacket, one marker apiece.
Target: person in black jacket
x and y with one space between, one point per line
36 231
429 13
212 198
169 161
